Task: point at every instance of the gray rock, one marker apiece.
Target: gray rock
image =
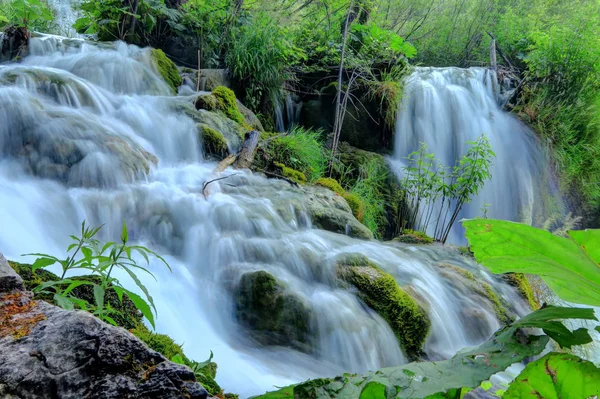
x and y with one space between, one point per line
250 117
9 279
329 211
46 351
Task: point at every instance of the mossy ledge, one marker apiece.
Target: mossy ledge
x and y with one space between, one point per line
521 283
355 203
166 68
380 291
414 237
214 143
290 173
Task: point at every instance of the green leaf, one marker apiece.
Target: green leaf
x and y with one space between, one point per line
74 284
373 390
571 272
140 285
141 305
99 296
556 376
486 385
81 303
544 317
43 262
87 254
178 359
124 233
63 302
469 368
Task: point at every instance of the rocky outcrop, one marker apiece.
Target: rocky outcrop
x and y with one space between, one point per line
272 315
380 291
46 351
330 211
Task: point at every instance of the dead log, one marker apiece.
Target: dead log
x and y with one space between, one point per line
245 157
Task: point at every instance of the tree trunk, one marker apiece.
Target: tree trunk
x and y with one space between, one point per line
246 156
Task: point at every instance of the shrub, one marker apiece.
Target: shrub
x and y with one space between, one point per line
302 150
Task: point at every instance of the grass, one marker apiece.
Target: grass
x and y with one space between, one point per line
302 150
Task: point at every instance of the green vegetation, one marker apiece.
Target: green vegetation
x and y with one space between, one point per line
414 237
300 149
214 142
354 201
227 103
380 292
290 173
89 255
29 14
507 247
448 378
521 283
166 69
427 182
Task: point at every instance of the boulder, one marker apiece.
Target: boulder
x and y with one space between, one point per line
250 117
273 315
381 293
330 211
48 351
166 69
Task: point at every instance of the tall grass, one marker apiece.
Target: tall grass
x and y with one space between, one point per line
301 149
370 188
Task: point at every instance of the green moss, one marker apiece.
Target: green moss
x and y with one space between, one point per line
331 184
210 385
284 393
207 102
32 279
521 283
214 142
290 173
161 343
227 103
381 293
272 315
356 204
414 237
501 312
166 68
465 251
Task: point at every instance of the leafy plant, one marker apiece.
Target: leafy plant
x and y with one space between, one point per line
434 188
448 378
556 375
195 366
568 265
95 258
33 14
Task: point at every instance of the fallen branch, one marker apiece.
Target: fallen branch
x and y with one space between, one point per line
214 180
271 174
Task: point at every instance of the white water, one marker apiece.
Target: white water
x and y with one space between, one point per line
79 126
447 107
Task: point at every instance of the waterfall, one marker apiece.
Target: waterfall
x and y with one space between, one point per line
447 107
66 13
90 132
292 106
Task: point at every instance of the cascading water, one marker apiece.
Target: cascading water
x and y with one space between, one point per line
292 107
90 132
447 107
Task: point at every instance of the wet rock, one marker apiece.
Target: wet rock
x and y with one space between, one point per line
330 211
46 351
9 279
273 315
14 43
380 291
250 117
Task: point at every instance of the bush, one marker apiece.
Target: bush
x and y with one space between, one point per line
301 150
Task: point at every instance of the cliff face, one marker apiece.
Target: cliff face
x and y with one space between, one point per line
46 351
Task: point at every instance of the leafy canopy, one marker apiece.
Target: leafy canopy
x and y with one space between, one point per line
570 266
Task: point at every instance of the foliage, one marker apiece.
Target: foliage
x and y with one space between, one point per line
88 254
387 92
441 189
141 22
258 56
468 368
30 14
368 188
301 149
568 265
556 375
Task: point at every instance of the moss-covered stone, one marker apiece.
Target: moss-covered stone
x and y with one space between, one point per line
290 173
521 283
500 310
331 184
414 237
227 103
166 68
214 143
272 315
207 102
466 251
380 291
356 204
30 278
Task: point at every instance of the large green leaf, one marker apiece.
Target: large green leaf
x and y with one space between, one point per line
545 319
568 265
556 376
448 378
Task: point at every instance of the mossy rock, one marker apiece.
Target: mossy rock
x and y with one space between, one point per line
166 68
167 347
30 278
380 291
459 276
414 237
521 283
213 142
207 102
290 173
331 184
227 103
272 315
